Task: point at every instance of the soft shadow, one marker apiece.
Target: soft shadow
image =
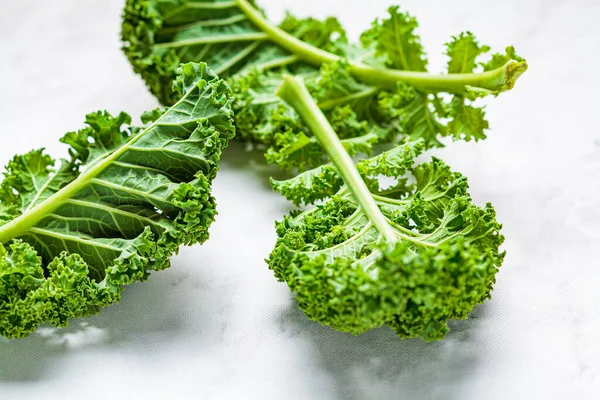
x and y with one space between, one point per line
378 365
244 156
165 309
149 315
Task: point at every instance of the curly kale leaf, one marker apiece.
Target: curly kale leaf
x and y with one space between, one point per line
263 117
158 35
396 41
347 275
384 242
382 87
73 235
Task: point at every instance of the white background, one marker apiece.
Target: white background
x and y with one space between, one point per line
217 325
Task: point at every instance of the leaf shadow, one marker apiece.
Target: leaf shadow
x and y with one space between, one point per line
149 314
244 156
153 314
378 365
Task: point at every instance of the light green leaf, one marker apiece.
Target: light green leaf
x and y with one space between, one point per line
468 122
500 59
463 51
418 114
310 186
395 40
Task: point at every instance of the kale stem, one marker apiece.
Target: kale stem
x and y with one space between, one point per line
497 80
294 92
294 45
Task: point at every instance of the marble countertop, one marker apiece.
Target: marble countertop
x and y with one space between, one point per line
217 325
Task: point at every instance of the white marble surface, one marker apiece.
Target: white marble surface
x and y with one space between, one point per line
218 326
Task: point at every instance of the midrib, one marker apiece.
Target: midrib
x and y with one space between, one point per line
225 38
22 224
294 92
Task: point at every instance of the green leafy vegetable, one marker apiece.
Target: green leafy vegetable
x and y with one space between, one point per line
72 235
160 34
411 255
380 88
396 41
